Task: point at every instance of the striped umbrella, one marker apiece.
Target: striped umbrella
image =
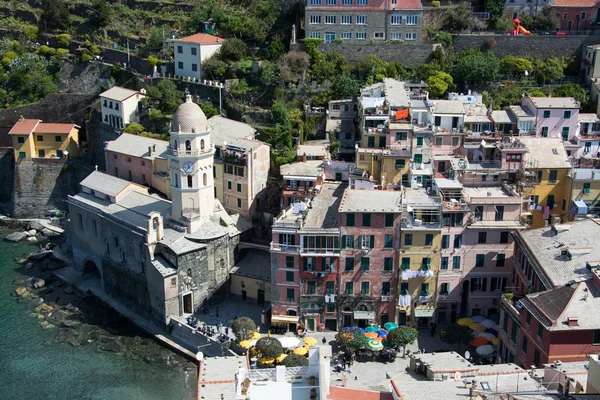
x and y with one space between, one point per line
374 345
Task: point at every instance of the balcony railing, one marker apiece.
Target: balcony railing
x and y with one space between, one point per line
234 159
320 250
190 153
458 205
285 248
512 304
376 131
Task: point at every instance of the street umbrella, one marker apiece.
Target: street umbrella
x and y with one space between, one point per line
477 333
310 341
484 350
266 360
488 323
372 328
348 328
281 357
495 342
492 331
371 335
382 333
390 326
464 321
478 318
246 344
361 330
477 327
289 342
255 335
374 345
301 351
488 336
478 341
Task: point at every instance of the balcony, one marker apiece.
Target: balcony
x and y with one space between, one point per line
455 205
410 223
512 304
376 131
189 153
285 248
235 159
320 251
381 111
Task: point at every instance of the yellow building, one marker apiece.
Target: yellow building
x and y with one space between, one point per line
32 138
419 258
584 186
388 167
251 278
547 189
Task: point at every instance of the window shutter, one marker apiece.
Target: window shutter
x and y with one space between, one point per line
293 240
484 285
305 260
359 242
280 238
372 242
336 242
343 241
473 285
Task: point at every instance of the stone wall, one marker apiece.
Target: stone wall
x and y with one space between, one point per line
7 167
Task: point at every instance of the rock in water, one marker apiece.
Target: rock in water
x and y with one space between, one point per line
15 237
20 290
46 325
38 283
32 239
48 233
29 265
31 232
70 324
69 290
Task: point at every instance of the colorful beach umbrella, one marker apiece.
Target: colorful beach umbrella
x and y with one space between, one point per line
348 328
361 330
488 323
310 341
492 331
382 333
246 344
488 336
478 341
281 357
464 321
390 325
372 328
478 318
477 327
301 351
255 335
484 350
371 335
374 345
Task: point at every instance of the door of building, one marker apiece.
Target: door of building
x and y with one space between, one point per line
187 303
310 324
569 25
442 315
347 320
260 297
442 166
338 176
402 318
244 295
331 324
464 301
454 122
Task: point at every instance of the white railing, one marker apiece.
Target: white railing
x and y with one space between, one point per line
190 153
285 248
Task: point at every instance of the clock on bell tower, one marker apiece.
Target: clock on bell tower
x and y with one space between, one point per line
190 164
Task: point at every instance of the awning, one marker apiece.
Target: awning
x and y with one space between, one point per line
285 318
424 312
364 314
582 208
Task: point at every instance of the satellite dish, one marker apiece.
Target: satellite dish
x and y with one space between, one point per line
467 354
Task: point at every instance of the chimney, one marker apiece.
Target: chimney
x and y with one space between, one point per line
572 321
150 150
303 157
21 118
153 148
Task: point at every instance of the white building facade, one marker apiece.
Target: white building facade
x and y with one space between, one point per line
121 106
192 51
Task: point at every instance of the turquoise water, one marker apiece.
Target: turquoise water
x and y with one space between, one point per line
30 369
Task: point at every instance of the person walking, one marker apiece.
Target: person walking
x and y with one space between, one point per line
324 340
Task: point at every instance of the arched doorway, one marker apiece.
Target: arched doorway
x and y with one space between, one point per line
347 316
292 326
90 270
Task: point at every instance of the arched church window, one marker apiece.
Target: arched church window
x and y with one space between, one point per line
202 144
188 145
189 181
204 179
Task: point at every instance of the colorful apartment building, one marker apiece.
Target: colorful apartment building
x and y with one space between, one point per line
553 116
359 21
419 257
546 167
369 222
576 15
191 52
584 184
34 139
585 144
554 287
301 180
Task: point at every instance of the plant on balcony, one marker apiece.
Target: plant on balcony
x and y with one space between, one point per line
402 336
312 380
246 383
313 393
508 296
456 334
295 360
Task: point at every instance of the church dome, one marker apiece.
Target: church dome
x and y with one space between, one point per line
189 118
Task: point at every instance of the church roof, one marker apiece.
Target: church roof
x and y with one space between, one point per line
189 118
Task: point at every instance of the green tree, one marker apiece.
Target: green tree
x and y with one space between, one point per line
476 67
209 110
439 84
334 148
136 129
456 334
153 61
370 65
155 39
56 14
550 70
458 18
345 86
402 336
293 66
268 74
496 10
572 90
294 360
63 40
280 113
215 68
269 347
504 24
100 13
546 20
243 328
275 49
233 50
515 67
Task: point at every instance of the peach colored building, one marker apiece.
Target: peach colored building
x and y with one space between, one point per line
32 138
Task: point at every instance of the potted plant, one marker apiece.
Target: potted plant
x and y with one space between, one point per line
313 393
312 379
246 383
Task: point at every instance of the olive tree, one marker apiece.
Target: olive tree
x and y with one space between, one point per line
243 328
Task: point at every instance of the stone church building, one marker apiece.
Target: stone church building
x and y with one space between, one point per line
162 258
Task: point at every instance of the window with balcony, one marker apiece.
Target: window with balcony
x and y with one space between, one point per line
503 237
365 288
388 241
350 220
478 213
429 239
445 241
424 289
499 216
400 164
565 133
426 264
388 263
408 239
367 241
286 239
482 238
309 264
479 260
386 288
544 131
456 262
365 263
418 158
405 263
455 141
400 136
291 297
349 288
289 276
478 284
497 284
439 141
348 241
444 263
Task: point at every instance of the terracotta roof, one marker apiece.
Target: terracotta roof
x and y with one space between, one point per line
574 3
54 128
24 127
201 38
408 5
340 393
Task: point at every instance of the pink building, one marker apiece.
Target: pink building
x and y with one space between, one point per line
553 116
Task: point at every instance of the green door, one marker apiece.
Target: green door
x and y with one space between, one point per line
371 141
418 158
338 176
59 153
